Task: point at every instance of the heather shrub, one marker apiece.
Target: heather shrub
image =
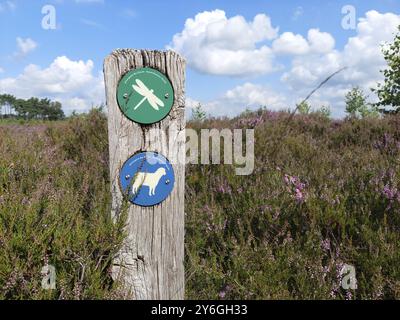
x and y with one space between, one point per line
324 193
55 209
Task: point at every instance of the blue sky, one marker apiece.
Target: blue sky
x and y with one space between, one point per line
87 30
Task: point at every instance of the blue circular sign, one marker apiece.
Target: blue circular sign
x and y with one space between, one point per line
147 178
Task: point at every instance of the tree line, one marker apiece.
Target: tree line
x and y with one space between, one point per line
32 108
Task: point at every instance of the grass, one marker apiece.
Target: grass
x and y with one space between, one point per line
324 193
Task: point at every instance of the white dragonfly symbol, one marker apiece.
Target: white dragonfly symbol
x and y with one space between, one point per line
147 94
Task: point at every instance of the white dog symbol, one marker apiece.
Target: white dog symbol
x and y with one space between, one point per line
147 179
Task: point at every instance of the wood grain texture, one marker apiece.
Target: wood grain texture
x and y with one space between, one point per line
150 264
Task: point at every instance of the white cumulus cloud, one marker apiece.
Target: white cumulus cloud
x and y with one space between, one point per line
296 44
254 95
290 43
215 44
320 42
361 54
70 82
235 100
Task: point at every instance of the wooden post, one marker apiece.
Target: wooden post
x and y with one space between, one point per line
150 264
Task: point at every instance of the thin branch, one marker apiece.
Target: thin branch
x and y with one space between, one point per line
315 90
306 98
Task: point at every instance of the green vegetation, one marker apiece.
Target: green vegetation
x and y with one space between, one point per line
55 208
357 105
304 107
389 91
323 193
324 111
33 108
198 113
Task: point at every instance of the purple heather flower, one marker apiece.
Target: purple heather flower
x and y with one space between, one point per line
326 244
224 291
390 193
349 296
296 187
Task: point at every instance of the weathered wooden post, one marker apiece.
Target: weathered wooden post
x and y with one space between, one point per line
141 86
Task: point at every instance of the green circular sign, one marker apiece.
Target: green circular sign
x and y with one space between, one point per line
145 95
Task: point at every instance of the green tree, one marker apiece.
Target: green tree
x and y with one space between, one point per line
198 113
388 92
7 102
33 108
27 109
304 107
55 111
357 105
325 111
